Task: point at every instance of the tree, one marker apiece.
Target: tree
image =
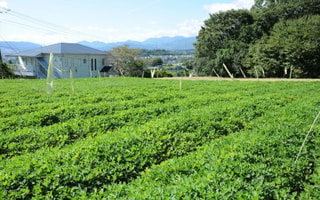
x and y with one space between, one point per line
135 68
187 62
291 45
265 41
268 12
157 61
5 72
124 59
224 38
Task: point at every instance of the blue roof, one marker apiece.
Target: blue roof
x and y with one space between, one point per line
61 48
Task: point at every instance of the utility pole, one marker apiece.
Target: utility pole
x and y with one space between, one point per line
1 67
0 47
0 57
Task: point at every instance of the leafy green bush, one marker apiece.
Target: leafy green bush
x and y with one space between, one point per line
158 74
121 138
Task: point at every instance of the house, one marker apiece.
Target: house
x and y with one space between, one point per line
82 60
108 71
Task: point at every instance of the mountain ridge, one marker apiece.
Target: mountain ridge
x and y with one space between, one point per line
167 43
8 47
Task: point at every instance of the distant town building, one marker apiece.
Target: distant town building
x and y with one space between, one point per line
82 60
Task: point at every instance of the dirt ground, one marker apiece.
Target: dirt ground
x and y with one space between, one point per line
237 79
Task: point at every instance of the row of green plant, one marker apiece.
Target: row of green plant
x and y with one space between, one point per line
114 157
58 124
125 138
56 131
249 164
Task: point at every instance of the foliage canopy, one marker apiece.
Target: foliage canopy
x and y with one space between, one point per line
268 40
5 71
125 61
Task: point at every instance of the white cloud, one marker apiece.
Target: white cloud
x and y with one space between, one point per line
3 4
154 22
189 27
237 4
186 28
91 33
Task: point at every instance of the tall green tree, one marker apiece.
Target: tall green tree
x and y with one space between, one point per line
260 41
268 12
157 61
135 68
5 71
292 44
224 38
187 62
125 60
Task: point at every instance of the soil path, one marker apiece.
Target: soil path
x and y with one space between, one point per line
237 79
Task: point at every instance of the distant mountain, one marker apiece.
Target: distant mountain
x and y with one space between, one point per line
12 47
171 43
108 46
167 43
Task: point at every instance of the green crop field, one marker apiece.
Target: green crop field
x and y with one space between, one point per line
130 138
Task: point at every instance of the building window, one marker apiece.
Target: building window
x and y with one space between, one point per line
103 61
91 64
95 64
84 61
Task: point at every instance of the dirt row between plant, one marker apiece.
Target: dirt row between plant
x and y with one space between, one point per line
238 79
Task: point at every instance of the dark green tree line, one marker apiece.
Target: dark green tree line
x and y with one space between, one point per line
223 39
273 39
292 48
157 61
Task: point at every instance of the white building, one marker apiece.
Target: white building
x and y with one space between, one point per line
82 60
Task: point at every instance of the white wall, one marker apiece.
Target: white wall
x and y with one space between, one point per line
79 64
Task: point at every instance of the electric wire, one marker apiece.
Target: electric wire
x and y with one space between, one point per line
37 21
30 23
8 45
34 24
30 27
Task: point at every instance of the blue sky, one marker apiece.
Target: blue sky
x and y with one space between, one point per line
52 21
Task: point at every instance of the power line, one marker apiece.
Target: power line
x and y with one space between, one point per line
36 21
9 45
32 23
30 27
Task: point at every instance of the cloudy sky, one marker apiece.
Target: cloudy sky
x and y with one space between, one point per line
51 21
